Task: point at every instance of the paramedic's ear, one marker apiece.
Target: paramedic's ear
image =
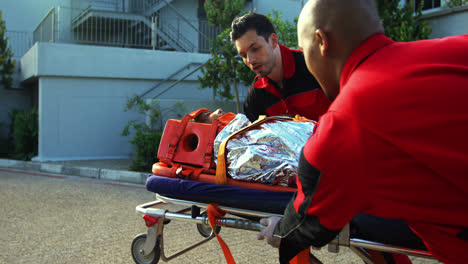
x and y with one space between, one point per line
274 40
322 41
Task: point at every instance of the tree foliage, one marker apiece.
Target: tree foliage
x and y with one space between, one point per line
222 12
455 3
285 30
221 70
7 64
401 22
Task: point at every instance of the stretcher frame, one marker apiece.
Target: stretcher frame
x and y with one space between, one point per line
151 248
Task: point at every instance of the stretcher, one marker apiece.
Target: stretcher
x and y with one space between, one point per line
185 177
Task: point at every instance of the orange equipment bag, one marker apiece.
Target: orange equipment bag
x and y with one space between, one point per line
187 142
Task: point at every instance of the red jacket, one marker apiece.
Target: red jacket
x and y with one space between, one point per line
393 144
301 93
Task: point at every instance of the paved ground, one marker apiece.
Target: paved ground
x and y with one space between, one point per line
69 219
76 220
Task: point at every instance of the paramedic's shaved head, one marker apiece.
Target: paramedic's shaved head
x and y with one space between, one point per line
329 31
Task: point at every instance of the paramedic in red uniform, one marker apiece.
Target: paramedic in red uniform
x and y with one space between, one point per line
283 84
404 155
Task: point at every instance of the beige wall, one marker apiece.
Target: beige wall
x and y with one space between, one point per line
448 21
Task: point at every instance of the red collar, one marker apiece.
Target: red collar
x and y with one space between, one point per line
361 53
289 67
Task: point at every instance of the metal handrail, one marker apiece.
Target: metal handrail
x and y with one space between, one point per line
168 78
187 44
170 39
167 37
38 31
104 27
149 5
185 19
45 17
180 80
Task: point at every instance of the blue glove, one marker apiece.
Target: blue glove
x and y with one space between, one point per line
267 232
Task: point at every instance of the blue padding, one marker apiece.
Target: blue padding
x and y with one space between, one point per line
238 197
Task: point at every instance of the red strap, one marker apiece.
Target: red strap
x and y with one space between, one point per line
191 173
185 172
196 173
166 161
174 170
301 258
213 212
207 160
180 131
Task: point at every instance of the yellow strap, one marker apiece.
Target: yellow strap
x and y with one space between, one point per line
221 165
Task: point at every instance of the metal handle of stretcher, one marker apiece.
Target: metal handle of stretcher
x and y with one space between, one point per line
343 238
238 223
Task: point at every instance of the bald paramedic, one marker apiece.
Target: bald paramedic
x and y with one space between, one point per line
404 155
283 84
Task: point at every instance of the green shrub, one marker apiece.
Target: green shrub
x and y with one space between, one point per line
146 146
148 130
3 142
23 137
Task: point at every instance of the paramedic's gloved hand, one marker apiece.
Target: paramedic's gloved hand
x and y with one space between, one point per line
267 232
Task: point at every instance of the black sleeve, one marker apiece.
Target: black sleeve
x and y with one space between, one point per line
253 105
297 229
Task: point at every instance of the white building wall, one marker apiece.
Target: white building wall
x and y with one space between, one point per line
83 91
289 8
83 118
56 59
448 22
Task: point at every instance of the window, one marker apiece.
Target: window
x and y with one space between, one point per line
427 4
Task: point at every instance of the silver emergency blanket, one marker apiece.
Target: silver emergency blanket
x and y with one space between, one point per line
268 154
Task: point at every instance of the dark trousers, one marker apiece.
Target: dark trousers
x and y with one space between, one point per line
384 230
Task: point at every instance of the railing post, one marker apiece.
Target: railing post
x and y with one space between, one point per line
53 27
154 26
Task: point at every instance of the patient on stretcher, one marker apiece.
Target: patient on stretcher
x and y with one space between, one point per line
267 154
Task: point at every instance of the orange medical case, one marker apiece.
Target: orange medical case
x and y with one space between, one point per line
192 145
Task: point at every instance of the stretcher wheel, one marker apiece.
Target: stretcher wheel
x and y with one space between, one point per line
205 230
137 246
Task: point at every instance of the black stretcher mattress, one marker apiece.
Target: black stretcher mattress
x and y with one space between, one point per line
227 195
